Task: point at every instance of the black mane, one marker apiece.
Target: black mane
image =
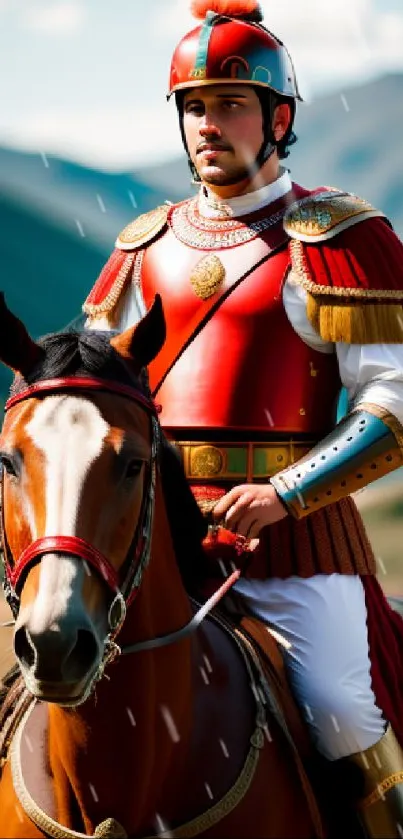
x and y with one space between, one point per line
85 353
89 353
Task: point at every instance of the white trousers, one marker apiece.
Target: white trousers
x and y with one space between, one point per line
324 620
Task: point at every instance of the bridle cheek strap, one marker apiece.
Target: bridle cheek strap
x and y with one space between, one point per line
65 545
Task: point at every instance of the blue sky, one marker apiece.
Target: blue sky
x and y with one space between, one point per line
87 78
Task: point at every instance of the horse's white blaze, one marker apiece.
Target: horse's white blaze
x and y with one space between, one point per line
70 433
59 580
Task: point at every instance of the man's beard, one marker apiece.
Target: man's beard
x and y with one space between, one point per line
229 178
241 173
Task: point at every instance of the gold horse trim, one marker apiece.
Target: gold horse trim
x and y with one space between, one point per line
108 829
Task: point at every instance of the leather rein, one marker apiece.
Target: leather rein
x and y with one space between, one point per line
124 587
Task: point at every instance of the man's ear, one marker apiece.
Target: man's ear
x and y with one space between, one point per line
281 120
141 343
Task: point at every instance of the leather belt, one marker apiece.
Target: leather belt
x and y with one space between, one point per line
239 461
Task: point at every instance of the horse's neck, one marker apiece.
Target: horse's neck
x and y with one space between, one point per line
118 753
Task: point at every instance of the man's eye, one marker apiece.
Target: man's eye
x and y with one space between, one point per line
194 109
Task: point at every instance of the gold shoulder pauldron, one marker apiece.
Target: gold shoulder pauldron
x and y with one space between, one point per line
143 229
325 214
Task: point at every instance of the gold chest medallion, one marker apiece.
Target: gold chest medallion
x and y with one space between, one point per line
207 276
202 233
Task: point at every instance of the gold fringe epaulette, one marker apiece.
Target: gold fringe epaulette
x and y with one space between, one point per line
373 323
357 311
143 229
325 214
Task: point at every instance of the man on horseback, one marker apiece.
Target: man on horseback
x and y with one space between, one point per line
275 296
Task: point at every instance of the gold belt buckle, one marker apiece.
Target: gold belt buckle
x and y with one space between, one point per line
206 462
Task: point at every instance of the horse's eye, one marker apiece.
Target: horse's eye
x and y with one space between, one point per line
133 469
8 465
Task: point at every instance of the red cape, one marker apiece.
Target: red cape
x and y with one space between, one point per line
366 257
385 637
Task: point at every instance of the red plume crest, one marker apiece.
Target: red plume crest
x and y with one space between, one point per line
232 8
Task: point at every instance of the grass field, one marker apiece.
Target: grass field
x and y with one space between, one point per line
382 510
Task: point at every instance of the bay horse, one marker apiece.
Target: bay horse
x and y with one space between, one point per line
178 738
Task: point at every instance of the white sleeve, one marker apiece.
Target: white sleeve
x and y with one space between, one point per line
131 308
129 311
373 373
369 372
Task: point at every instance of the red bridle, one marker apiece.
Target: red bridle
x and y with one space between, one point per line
139 551
138 554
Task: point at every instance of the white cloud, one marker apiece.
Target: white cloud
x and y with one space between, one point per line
174 20
63 18
389 39
114 137
334 44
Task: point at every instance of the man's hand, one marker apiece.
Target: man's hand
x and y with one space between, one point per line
249 507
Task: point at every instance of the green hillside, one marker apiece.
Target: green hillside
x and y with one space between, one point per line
45 271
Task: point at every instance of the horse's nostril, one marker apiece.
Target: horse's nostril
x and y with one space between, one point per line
84 653
23 648
58 656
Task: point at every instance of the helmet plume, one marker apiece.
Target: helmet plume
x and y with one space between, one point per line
246 9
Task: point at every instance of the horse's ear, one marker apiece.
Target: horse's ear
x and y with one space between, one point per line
141 343
17 349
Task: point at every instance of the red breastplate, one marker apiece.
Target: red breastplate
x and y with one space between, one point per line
248 369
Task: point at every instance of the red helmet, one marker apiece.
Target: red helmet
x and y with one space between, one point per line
231 47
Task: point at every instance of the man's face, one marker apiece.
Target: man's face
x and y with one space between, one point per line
223 127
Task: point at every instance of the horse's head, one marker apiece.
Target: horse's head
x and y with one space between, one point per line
78 449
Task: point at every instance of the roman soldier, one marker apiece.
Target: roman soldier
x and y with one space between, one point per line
275 296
